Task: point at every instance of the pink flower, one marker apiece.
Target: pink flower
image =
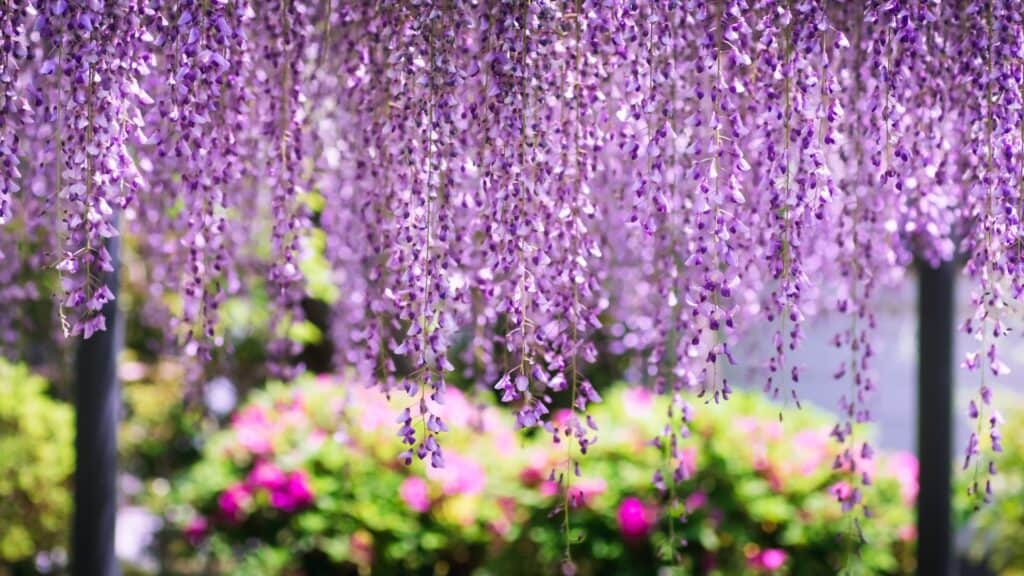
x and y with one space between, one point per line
638 402
907 533
371 407
505 438
548 488
696 501
539 465
233 501
456 409
317 438
253 429
687 462
460 475
290 418
196 530
773 558
561 417
635 519
294 494
531 475
298 402
267 476
583 491
415 494
252 415
298 484
904 467
841 490
770 559
503 523
812 450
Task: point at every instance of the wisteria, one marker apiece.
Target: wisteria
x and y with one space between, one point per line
500 186
14 108
92 85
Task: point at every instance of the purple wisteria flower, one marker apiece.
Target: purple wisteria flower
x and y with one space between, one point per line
504 192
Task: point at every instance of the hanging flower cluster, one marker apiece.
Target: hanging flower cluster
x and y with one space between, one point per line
500 183
197 108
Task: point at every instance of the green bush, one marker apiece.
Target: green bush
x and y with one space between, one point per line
997 528
36 466
306 480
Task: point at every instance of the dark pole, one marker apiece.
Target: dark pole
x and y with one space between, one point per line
97 399
934 418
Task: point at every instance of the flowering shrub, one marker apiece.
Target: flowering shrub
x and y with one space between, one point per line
310 473
757 495
36 464
307 476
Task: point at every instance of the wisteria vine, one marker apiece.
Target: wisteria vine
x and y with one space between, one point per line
503 184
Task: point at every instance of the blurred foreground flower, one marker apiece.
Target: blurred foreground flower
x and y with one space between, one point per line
635 518
769 559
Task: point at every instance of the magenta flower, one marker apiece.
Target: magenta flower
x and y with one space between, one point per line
294 494
415 494
769 559
695 501
196 530
773 558
534 472
635 519
232 502
548 488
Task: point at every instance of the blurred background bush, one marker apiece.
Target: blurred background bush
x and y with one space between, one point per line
996 531
36 464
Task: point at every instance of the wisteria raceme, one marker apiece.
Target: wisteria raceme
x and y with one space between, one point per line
198 114
94 95
502 189
991 44
354 178
278 97
16 115
15 111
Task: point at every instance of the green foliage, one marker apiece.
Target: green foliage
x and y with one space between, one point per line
158 430
315 268
756 485
997 528
36 465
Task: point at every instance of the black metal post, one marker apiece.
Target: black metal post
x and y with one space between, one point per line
97 400
934 419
